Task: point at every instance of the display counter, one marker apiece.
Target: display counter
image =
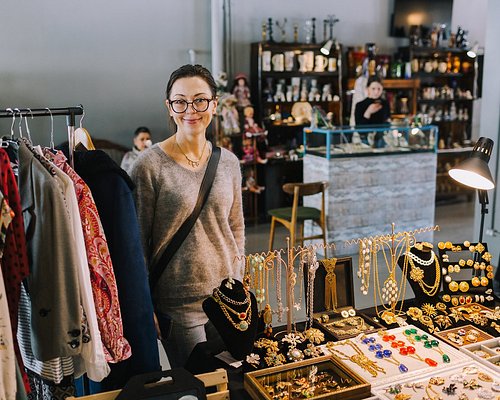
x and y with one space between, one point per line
369 188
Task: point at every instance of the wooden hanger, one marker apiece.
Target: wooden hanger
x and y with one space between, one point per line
82 137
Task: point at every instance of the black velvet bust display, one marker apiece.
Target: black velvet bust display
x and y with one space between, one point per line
429 275
238 343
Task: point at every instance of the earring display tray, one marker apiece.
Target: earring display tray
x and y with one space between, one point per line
318 378
467 272
342 326
466 381
392 366
486 352
464 335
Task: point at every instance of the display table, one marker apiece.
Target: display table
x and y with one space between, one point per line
370 189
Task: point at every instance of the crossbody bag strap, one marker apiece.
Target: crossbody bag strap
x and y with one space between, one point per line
186 227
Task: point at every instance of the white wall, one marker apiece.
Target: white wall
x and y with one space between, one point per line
115 56
112 56
490 123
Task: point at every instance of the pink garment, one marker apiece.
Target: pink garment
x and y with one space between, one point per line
102 276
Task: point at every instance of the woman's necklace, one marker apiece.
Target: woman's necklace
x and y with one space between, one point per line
192 163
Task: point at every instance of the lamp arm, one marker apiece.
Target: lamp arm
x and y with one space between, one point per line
483 200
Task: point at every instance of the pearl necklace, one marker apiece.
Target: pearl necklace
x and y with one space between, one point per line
424 263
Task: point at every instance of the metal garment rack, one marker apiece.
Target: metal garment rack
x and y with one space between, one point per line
69 112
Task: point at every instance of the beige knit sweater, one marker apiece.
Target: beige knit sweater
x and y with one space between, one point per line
165 196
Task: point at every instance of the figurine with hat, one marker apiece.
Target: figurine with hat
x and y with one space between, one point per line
241 90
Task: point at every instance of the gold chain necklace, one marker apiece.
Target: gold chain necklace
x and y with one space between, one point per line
192 163
242 316
359 358
417 275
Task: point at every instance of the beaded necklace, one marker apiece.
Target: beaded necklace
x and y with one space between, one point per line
417 274
412 336
383 354
404 350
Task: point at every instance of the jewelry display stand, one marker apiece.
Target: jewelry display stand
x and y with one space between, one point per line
233 311
391 294
424 274
468 273
434 385
392 365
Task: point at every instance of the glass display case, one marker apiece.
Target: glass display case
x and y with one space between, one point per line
346 141
318 378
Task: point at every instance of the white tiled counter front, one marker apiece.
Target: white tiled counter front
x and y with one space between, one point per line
368 193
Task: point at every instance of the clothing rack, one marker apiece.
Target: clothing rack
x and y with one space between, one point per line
69 112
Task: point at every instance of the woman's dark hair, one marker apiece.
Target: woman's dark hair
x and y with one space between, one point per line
373 78
141 129
189 71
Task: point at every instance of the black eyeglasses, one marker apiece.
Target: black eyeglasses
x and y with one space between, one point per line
180 106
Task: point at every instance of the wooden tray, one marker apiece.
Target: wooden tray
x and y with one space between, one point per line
482 336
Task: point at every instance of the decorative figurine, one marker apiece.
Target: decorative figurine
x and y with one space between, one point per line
270 29
250 125
332 20
281 27
461 38
229 114
308 29
313 33
295 33
251 183
241 90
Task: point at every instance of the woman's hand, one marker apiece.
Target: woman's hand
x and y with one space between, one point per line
372 109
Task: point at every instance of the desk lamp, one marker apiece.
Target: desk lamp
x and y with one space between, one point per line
327 46
474 172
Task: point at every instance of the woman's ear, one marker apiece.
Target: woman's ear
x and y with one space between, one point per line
169 109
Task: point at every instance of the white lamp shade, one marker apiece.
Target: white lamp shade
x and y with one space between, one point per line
327 47
471 179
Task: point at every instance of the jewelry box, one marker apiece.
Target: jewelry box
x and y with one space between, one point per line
463 335
486 352
333 301
467 273
388 356
469 380
318 378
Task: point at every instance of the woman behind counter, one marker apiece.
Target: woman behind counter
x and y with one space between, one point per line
168 178
373 110
142 140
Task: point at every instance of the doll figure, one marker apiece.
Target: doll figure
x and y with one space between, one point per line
252 129
248 150
241 90
250 124
229 114
251 183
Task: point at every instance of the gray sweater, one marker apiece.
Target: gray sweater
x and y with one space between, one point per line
165 196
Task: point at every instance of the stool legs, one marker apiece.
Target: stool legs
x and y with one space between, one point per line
271 234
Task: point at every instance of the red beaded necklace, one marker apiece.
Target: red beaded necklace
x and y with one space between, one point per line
405 350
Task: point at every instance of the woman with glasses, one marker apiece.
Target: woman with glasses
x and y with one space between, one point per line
168 178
